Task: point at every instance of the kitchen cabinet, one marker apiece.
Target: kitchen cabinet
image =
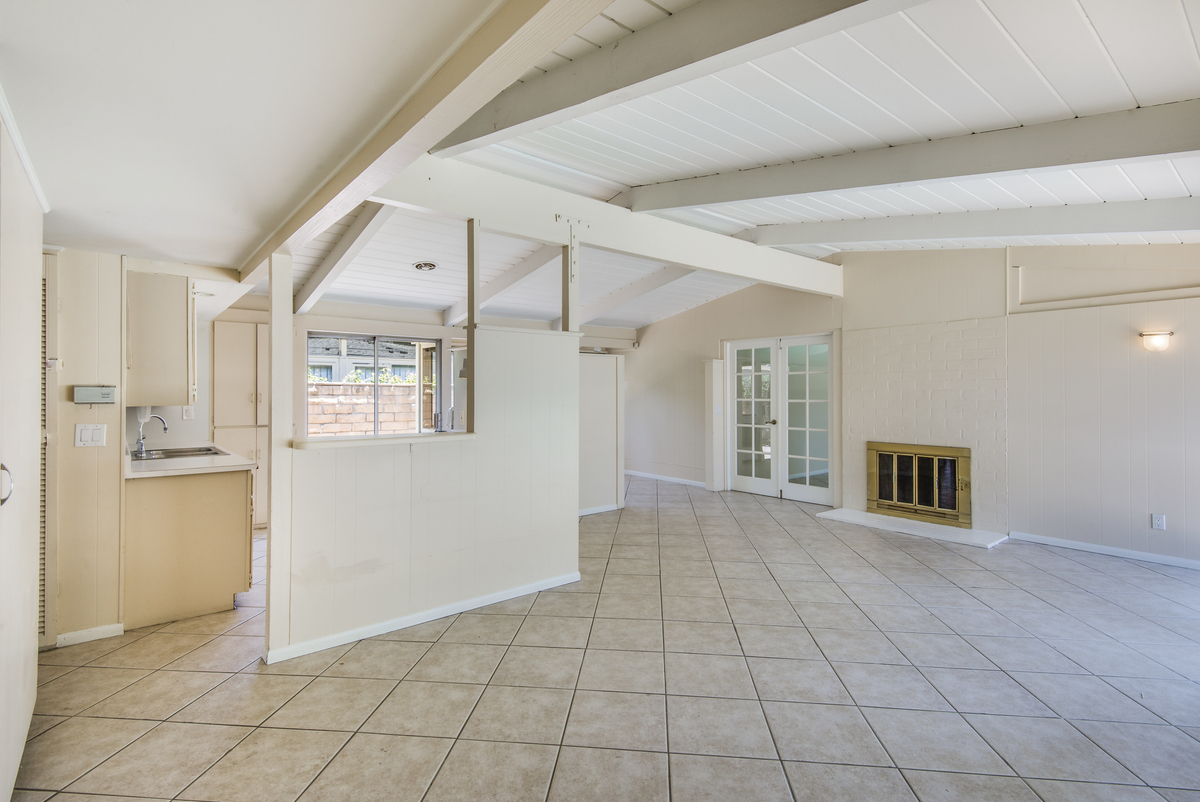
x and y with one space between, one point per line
160 340
241 398
187 545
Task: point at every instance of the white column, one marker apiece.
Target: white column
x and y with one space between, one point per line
280 433
473 299
570 283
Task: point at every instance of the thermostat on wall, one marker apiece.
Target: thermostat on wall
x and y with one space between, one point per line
95 394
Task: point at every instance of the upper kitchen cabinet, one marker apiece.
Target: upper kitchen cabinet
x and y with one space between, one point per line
160 344
240 385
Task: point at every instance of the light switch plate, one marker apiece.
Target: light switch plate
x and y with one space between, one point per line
90 435
189 413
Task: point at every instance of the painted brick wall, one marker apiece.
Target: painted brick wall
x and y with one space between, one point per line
943 384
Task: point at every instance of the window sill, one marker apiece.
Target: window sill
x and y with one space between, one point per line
355 441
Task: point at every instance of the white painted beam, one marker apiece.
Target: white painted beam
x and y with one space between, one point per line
365 226
518 35
514 276
703 38
523 209
643 286
1125 217
1153 131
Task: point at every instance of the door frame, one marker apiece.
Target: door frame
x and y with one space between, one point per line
729 468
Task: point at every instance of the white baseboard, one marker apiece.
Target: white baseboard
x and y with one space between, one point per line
665 478
602 508
85 635
1111 551
342 638
949 534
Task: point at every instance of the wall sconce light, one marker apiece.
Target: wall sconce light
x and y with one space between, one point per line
1156 340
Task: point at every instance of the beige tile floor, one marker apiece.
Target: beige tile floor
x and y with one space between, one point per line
718 647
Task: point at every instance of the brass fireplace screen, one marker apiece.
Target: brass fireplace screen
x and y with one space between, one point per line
925 483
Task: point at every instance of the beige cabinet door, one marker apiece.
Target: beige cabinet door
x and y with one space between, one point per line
263 373
159 339
243 441
261 511
235 374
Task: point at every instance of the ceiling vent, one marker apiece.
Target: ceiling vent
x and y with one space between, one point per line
425 265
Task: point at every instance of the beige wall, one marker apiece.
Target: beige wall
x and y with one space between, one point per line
89 514
664 412
1104 433
20 290
385 532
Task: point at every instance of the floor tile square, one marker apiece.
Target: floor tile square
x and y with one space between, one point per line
153 651
484 629
691 608
833 616
824 734
539 667
380 768
332 703
1176 701
157 696
574 605
1023 654
229 653
699 637
243 699
636 672
1062 791
495 771
1158 754
992 692
434 709
61 755
268 766
708 675
874 685
618 721
1050 749
826 782
620 605
378 659
697 778
162 762
603 775
526 715
768 641
75 692
457 662
563 632
762 612
1088 698
1112 659
919 739
787 680
428 632
939 651
726 727
938 786
626 634
310 665
849 646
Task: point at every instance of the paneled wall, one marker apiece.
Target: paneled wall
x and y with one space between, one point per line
1103 433
89 497
382 533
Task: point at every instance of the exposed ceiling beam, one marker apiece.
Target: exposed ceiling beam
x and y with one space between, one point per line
1125 217
1152 131
518 208
703 38
512 277
647 284
365 226
517 36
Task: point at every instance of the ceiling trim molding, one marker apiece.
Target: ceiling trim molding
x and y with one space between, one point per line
514 276
366 225
526 210
10 123
643 286
699 40
1123 217
515 38
1169 129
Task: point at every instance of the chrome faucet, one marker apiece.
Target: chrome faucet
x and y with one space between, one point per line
140 453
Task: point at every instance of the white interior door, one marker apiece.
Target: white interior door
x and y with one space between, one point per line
755 418
780 407
805 416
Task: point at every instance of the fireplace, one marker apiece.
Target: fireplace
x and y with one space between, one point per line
925 483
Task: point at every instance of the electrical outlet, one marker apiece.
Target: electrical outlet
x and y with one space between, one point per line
1158 522
189 413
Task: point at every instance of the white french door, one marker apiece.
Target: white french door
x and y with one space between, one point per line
781 418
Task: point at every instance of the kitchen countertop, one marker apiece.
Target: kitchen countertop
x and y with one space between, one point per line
183 466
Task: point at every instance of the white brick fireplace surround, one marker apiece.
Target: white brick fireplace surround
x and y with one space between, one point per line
942 384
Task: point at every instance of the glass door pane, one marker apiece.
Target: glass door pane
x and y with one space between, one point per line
807 419
754 438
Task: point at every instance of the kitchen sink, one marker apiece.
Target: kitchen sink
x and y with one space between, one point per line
179 453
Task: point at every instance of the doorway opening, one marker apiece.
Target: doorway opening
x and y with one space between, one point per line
781 418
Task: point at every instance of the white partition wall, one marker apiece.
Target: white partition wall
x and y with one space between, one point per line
387 534
601 433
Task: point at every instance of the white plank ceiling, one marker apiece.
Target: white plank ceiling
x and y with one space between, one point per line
942 69
383 274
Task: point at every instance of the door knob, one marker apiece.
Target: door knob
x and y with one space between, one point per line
11 484
774 422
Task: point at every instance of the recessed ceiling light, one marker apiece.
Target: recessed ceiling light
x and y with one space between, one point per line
424 265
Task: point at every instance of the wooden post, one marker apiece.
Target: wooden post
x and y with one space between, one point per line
570 283
473 299
280 433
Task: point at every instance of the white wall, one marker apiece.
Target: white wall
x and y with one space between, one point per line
664 407
384 534
1102 432
20 430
